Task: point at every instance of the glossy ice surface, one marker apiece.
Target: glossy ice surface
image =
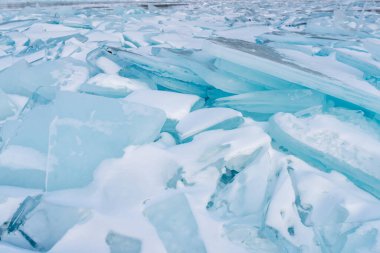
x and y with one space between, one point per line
190 127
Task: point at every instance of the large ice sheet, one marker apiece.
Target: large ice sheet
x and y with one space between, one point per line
208 119
333 141
175 224
38 225
51 132
273 101
67 73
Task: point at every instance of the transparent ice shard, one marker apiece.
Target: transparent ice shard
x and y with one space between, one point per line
301 71
112 85
175 105
175 224
333 141
248 192
208 119
125 126
119 243
134 179
273 101
232 149
38 225
323 204
7 107
67 73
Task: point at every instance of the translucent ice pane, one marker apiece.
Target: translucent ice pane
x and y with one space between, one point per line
333 141
273 101
208 119
122 244
67 73
175 105
7 107
39 225
125 126
112 85
175 225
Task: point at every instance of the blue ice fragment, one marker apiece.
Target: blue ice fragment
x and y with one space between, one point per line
175 225
119 243
38 225
30 141
7 107
333 141
67 73
273 101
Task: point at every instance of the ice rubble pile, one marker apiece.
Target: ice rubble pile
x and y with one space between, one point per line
245 126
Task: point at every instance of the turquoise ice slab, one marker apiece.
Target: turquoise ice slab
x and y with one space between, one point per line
22 79
261 58
119 243
208 119
272 101
175 225
72 122
344 141
7 107
38 225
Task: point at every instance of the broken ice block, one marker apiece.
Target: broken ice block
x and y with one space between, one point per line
331 204
300 69
122 244
112 85
249 191
39 225
333 141
208 119
175 225
232 149
273 101
67 73
175 105
87 116
133 179
7 107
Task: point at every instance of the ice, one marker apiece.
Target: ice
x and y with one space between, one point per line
208 119
38 225
333 141
7 107
175 224
220 148
70 76
189 126
122 244
175 105
263 101
47 129
109 85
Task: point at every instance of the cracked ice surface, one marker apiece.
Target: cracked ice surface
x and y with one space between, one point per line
190 127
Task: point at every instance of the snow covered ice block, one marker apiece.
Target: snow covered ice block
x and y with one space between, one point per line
332 205
175 224
29 143
248 192
220 148
122 244
67 73
175 105
272 101
333 141
7 107
38 225
115 86
298 69
208 119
